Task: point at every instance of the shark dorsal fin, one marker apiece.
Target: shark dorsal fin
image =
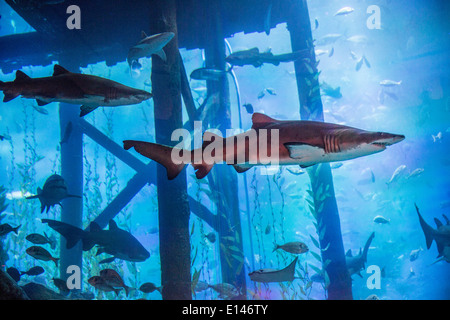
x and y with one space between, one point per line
93 226
438 223
349 253
143 35
260 120
20 76
58 70
254 50
446 219
113 225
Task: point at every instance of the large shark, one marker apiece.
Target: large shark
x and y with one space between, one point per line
441 235
303 143
257 59
148 46
119 243
357 263
271 275
74 88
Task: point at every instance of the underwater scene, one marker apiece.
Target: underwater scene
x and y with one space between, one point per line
274 150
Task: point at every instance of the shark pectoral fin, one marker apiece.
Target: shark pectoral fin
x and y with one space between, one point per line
41 103
161 54
84 110
9 96
298 150
242 167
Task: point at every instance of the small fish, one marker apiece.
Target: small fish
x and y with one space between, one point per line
366 62
35 271
41 254
113 279
211 237
359 64
353 55
36 238
398 173
208 74
295 247
149 287
331 52
61 285
414 254
359 39
14 273
380 220
261 95
296 170
328 39
320 52
67 133
316 24
40 109
271 91
100 284
268 229
249 108
6 228
344 11
268 19
417 172
225 290
390 83
437 137
373 297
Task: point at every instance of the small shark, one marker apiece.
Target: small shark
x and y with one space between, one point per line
441 235
52 193
148 46
271 275
357 263
255 58
117 242
303 143
74 88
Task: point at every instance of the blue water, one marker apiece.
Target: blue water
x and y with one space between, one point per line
412 46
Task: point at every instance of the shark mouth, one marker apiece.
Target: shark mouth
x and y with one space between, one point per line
383 143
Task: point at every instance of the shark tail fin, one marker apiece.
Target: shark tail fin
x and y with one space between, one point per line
70 233
366 247
427 230
159 153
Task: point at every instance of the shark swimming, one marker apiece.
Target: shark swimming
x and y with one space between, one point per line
291 142
357 263
148 46
257 59
64 86
271 275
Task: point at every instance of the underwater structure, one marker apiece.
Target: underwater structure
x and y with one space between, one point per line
195 24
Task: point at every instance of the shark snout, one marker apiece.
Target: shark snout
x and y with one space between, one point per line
144 95
387 139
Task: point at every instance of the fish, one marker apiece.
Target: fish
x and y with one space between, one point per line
34 271
359 39
328 39
36 238
344 11
257 59
359 64
390 83
211 237
319 52
14 273
261 94
296 170
249 108
366 62
270 91
330 91
414 254
331 52
301 142
268 19
225 290
5 137
417 172
113 279
40 109
316 24
271 275
381 220
295 247
100 283
208 74
437 137
398 173
67 133
6 228
357 263
41 254
148 46
52 193
119 243
268 229
149 287
373 297
86 90
441 235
